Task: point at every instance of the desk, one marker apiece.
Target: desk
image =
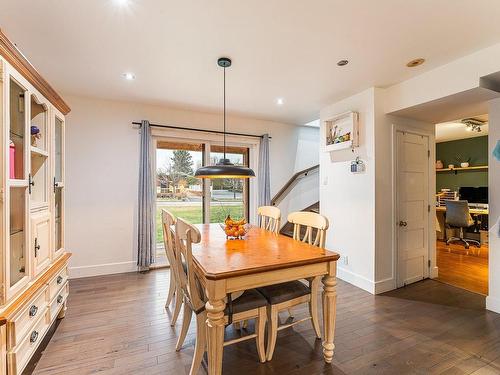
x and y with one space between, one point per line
473 211
441 227
262 258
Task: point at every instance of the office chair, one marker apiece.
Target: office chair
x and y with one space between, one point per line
458 216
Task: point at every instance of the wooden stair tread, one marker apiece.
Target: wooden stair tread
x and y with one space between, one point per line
287 229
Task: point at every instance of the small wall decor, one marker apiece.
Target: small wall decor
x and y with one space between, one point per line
357 166
496 151
342 131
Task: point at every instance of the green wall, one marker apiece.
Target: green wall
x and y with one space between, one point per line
475 148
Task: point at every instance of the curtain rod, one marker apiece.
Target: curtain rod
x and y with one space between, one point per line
199 130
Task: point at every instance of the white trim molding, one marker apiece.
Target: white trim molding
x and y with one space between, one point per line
356 280
493 304
102 269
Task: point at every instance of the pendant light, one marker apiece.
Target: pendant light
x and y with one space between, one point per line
224 168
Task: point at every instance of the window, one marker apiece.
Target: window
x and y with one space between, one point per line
190 198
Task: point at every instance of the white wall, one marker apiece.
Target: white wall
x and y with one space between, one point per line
102 172
360 207
493 299
347 199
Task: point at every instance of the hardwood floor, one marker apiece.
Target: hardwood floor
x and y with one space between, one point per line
468 271
116 324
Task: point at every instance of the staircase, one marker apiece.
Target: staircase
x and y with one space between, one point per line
287 229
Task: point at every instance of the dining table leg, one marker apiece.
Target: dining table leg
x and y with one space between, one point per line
329 311
215 327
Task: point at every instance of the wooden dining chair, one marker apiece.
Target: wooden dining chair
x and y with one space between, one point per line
311 228
251 304
270 218
168 225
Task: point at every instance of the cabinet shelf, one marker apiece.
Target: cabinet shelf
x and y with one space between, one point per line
15 231
35 151
479 167
20 136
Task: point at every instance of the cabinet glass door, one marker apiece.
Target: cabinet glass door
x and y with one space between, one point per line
17 131
17 239
17 182
39 154
58 183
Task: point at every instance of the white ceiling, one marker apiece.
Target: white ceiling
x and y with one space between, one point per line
453 130
280 48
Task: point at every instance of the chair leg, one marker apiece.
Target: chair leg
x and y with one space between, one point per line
313 306
179 298
199 348
272 319
171 291
186 320
260 329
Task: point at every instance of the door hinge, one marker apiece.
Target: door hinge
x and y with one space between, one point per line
428 208
428 153
429 263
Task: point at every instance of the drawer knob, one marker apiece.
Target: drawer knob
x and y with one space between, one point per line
59 298
33 310
34 336
59 279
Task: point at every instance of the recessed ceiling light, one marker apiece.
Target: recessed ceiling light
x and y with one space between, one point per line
342 62
128 76
415 62
280 101
121 2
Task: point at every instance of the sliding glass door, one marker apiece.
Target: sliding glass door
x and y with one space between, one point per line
228 196
177 190
195 200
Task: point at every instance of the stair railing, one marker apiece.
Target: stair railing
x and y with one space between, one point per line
281 194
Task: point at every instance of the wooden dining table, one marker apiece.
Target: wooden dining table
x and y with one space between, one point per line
261 258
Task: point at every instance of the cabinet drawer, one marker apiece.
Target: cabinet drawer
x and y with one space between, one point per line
57 282
58 301
18 327
18 357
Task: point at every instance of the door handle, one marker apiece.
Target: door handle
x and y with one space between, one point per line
403 223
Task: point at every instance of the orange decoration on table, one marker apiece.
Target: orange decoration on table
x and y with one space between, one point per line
235 228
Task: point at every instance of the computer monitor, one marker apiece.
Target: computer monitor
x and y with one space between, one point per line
474 194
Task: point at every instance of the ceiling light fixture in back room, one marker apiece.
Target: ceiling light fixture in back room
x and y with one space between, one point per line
224 168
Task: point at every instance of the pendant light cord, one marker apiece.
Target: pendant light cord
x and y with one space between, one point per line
224 112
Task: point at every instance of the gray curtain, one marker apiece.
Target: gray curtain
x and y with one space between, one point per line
264 173
146 218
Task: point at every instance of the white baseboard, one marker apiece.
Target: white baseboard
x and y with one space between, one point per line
102 269
493 304
386 285
434 272
356 280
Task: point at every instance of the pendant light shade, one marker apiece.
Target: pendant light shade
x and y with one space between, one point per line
224 168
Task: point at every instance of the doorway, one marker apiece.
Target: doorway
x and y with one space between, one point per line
462 175
412 207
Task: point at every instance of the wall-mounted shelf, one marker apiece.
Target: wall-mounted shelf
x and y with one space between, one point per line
479 167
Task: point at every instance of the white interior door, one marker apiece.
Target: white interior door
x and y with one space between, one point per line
412 207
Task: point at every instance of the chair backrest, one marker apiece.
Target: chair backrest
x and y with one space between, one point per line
270 218
457 214
185 235
310 221
168 222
